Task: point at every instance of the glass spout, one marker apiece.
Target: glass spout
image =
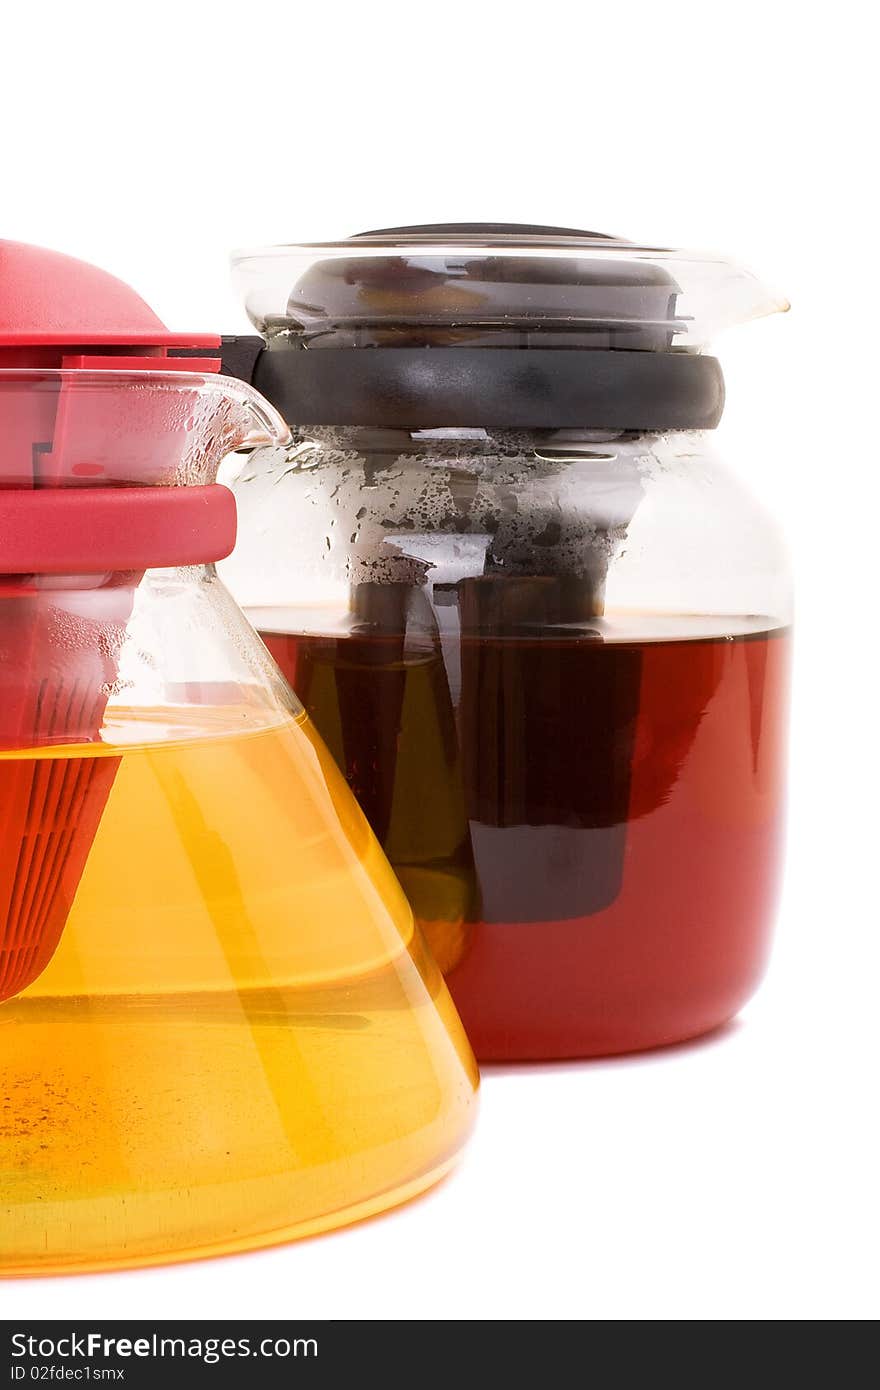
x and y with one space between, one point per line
77 428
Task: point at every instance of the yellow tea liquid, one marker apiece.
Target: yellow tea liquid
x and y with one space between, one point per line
238 1038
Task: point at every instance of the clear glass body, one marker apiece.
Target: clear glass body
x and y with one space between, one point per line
553 667
218 1025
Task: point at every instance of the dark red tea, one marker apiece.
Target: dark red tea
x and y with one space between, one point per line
588 829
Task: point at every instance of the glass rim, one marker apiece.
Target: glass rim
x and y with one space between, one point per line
134 374
532 247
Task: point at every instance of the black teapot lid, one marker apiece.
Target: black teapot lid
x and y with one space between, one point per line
469 324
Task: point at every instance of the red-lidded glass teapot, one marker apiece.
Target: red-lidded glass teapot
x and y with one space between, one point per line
218 1026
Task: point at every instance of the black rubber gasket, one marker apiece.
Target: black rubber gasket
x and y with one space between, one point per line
540 388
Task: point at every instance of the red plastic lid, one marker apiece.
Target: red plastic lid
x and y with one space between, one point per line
48 299
103 413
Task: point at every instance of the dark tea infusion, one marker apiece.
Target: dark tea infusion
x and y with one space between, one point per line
611 805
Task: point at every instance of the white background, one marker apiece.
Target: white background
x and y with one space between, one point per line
733 1179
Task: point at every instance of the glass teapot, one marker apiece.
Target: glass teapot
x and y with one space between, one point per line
542 629
218 1026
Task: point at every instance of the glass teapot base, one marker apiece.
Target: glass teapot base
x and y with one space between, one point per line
199 1142
235 1244
576 1034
